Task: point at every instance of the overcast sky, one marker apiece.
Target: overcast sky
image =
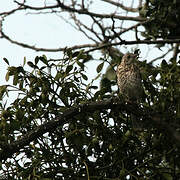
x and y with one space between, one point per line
48 31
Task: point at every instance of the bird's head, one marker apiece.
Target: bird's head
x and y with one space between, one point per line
129 58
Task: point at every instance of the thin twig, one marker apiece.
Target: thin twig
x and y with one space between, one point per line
101 46
87 170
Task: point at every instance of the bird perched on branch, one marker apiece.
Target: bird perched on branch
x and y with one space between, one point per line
129 78
130 83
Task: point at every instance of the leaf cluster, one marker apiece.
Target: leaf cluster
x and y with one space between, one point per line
163 19
96 143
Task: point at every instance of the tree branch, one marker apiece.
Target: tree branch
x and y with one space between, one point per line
117 4
11 11
123 42
7 150
86 12
3 35
160 57
93 46
82 11
36 8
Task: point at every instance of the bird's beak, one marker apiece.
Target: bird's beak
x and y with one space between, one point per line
135 55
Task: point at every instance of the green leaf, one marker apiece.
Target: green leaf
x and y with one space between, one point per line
32 65
97 94
20 69
81 54
93 87
69 68
76 79
99 68
12 70
58 76
64 96
90 87
2 91
68 51
21 83
24 62
43 67
36 59
7 76
44 56
80 64
164 63
75 54
6 61
43 59
15 80
84 77
69 85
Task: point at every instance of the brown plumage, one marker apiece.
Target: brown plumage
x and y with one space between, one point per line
129 78
130 83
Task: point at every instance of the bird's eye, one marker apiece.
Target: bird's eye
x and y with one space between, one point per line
128 56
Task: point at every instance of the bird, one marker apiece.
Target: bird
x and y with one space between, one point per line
129 78
130 84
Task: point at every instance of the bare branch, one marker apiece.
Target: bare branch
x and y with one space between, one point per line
123 42
84 11
95 46
129 9
160 57
12 11
100 27
79 24
117 34
45 49
36 8
104 40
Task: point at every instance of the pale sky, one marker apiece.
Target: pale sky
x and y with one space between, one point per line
48 31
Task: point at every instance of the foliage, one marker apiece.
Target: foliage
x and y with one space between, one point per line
96 143
62 126
163 19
